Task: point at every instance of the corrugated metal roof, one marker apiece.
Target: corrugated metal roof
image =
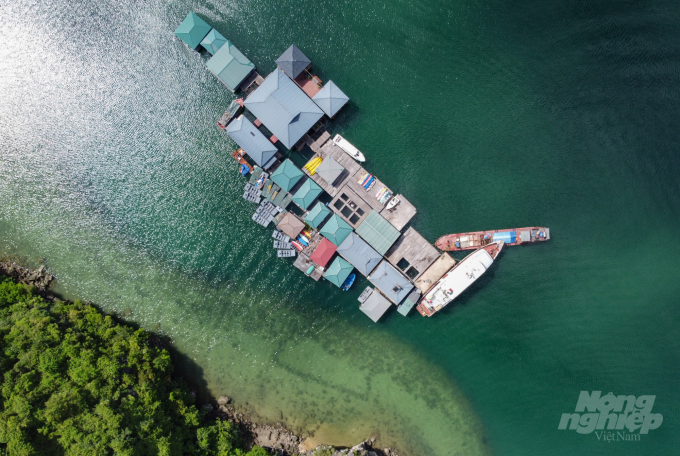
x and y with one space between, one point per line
317 215
293 61
391 282
283 108
230 66
307 193
336 230
378 232
287 175
359 253
329 170
330 99
249 138
338 272
213 41
192 30
323 252
375 306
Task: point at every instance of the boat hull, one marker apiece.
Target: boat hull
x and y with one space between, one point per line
477 239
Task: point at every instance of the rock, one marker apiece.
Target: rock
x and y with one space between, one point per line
224 400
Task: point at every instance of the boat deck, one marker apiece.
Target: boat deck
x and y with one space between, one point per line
412 254
435 272
302 262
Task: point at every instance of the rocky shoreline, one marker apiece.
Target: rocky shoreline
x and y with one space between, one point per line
276 438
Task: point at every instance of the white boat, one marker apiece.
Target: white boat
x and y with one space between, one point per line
459 278
393 202
352 151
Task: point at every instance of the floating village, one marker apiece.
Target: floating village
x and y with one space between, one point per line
332 215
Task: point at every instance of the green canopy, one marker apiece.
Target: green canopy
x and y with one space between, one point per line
317 215
336 230
213 41
192 30
306 194
338 272
287 175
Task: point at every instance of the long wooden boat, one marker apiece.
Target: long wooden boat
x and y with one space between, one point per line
458 279
477 239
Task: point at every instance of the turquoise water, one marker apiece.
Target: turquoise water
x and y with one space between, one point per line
483 114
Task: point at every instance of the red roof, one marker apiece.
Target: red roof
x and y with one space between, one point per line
323 252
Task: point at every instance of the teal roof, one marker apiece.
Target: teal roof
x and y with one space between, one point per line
230 66
287 175
306 194
338 272
192 30
317 215
378 232
336 230
213 41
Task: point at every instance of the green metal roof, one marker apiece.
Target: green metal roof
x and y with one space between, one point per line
336 230
287 175
317 215
192 30
338 272
306 194
378 232
213 41
230 66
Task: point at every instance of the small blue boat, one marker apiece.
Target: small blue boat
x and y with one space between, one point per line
348 283
302 241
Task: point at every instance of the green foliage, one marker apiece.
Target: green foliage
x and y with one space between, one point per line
74 382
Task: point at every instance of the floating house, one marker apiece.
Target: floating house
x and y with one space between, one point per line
336 230
283 108
392 283
329 170
308 192
230 66
330 99
375 305
317 215
361 255
378 232
254 143
291 225
323 253
287 175
293 62
192 30
213 41
338 272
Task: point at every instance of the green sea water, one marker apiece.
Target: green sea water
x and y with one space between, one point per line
484 114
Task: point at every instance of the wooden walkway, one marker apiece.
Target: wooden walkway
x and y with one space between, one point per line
413 248
435 272
302 262
401 214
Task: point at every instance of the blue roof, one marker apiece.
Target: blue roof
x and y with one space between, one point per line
230 66
330 99
306 194
293 61
338 272
359 253
336 230
317 215
249 138
192 30
507 236
391 282
286 175
213 41
283 108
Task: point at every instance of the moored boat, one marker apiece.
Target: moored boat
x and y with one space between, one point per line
232 111
477 239
352 151
458 279
349 282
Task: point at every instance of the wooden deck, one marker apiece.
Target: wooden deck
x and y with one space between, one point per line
247 85
353 209
415 249
435 272
401 214
302 262
340 156
309 83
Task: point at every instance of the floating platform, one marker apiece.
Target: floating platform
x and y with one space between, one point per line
412 254
435 272
401 214
303 263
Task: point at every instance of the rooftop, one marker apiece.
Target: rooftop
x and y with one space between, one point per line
287 175
192 30
317 215
293 61
230 66
323 253
375 306
249 138
392 283
330 99
336 230
213 41
359 253
306 194
338 272
291 225
378 232
283 108
329 170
